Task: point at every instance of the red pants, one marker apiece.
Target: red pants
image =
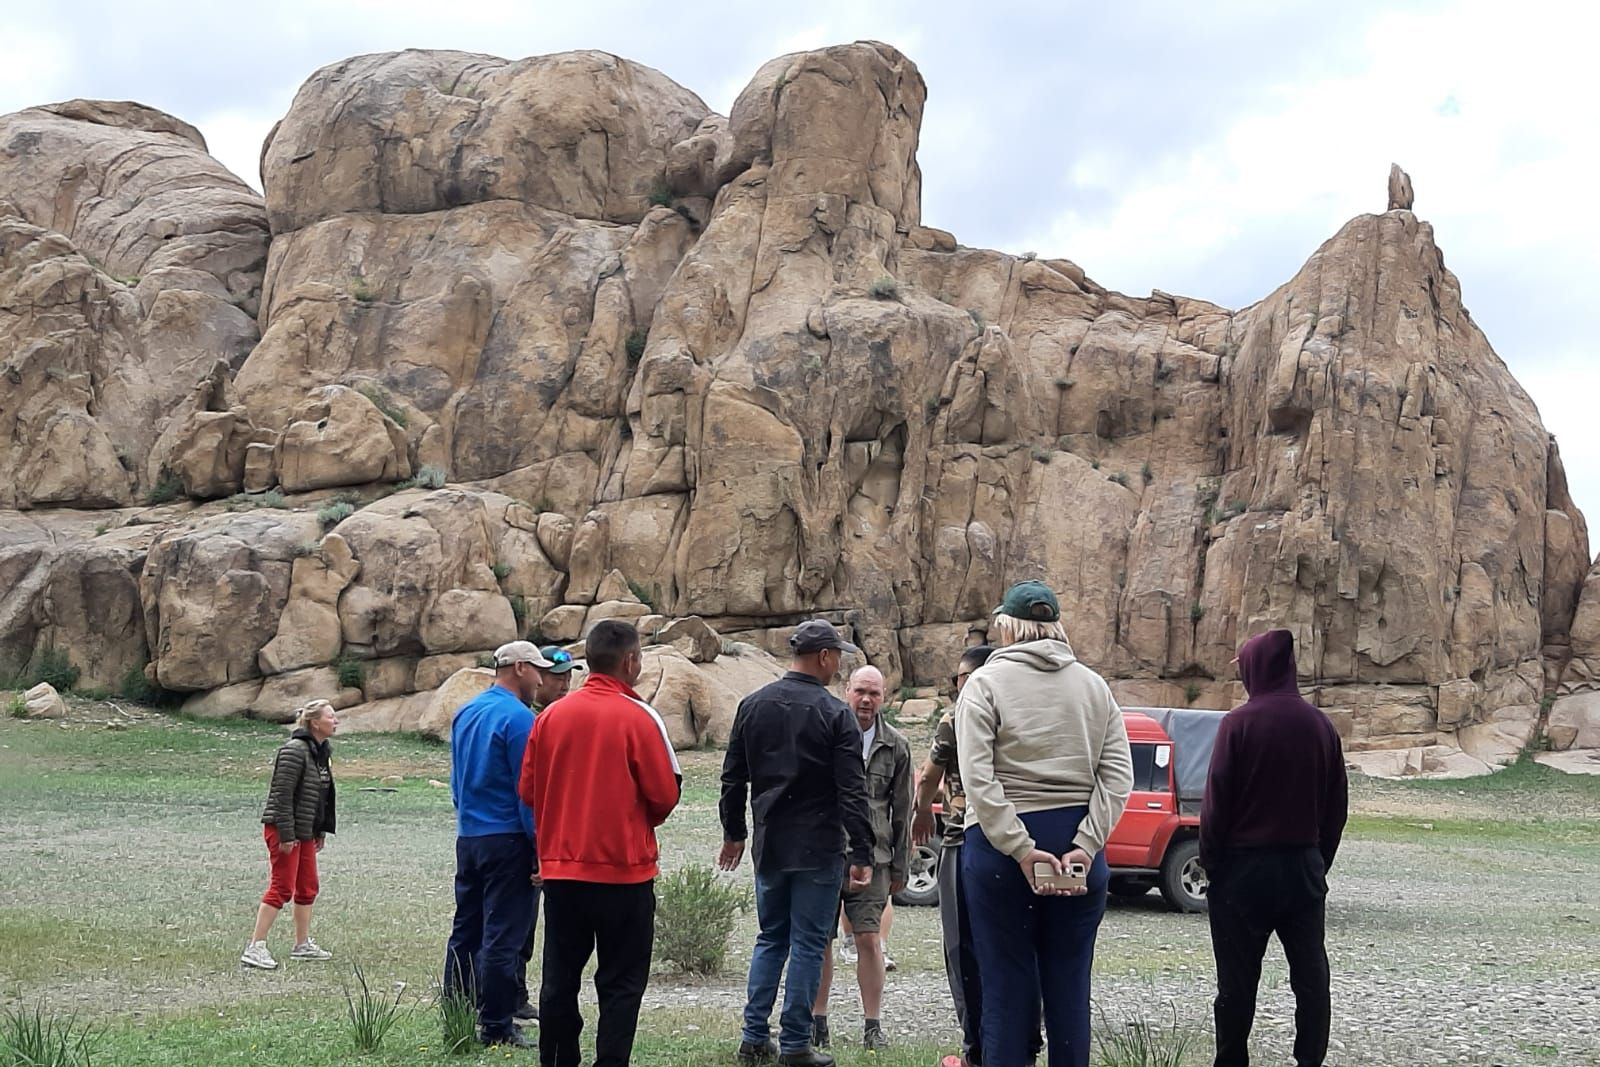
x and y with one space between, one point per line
294 873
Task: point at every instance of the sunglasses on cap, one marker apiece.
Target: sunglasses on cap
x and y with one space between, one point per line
559 656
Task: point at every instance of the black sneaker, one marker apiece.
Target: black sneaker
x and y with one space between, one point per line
809 1058
873 1039
525 1013
513 1038
820 1038
763 1053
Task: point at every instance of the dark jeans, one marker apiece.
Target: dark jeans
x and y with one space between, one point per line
582 919
796 911
526 954
1257 893
961 961
1028 946
494 904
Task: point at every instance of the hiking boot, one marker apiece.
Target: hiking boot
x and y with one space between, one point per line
525 1013
513 1038
873 1039
888 963
809 1058
310 950
257 956
750 1053
820 1038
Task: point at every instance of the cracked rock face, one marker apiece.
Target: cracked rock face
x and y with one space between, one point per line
683 364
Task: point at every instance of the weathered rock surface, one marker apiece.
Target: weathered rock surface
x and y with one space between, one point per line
720 364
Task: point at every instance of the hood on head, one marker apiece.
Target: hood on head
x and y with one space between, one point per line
1266 663
1049 655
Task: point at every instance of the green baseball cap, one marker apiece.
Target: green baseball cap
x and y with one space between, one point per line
1032 601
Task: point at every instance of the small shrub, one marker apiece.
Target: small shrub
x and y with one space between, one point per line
335 513
272 498
1135 1041
661 195
33 1037
372 1013
519 610
1041 455
428 477
695 915
1196 612
139 689
502 570
1163 372
1191 692
1121 479
1094 464
53 666
486 659
363 292
885 288
100 530
644 595
977 318
634 345
932 408
1065 383
1072 349
543 505
458 1019
1146 473
168 488
384 403
17 706
124 457
352 672
1122 579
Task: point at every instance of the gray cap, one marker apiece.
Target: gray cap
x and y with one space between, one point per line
816 635
519 652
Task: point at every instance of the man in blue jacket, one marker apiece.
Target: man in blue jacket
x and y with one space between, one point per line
495 858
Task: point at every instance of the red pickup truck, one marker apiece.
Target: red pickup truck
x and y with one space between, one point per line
1156 843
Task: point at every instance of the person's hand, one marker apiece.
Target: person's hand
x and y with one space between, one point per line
1082 859
536 878
732 852
286 847
896 887
1039 855
322 843
922 828
860 876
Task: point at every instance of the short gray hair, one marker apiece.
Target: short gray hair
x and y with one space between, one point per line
1009 630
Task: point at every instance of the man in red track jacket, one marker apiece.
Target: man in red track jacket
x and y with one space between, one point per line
600 776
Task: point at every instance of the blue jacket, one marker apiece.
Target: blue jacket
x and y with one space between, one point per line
487 741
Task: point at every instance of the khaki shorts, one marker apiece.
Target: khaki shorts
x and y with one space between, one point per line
864 908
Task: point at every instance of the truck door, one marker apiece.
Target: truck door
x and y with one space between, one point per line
1150 805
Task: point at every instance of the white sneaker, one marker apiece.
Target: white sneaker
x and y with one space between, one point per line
847 949
309 950
256 955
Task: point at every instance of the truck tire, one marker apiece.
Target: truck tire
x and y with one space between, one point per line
1128 888
1183 880
922 882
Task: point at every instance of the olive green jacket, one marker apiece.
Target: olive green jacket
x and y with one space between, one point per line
300 799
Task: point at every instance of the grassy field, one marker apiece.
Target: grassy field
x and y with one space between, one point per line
131 863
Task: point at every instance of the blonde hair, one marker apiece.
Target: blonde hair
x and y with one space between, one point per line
310 712
1010 630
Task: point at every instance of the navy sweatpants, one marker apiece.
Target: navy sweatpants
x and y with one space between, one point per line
1028 946
494 908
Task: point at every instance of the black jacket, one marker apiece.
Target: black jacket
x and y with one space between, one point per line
300 799
795 750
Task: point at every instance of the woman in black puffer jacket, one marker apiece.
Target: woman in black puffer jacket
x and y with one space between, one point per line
298 817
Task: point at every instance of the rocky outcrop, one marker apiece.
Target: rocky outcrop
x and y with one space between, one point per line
678 364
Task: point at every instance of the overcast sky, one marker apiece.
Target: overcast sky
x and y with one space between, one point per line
1204 149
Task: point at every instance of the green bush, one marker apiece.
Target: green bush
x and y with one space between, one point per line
501 570
361 290
384 403
429 477
1191 692
335 513
634 345
1065 383
519 610
695 915
1120 478
1147 473
17 706
885 288
977 318
168 487
1196 612
33 1037
458 1019
51 665
661 195
139 689
647 597
352 672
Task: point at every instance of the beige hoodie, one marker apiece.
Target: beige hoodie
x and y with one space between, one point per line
1038 730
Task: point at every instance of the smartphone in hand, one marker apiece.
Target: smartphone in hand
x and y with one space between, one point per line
1072 876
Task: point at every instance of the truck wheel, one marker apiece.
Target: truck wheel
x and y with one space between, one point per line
922 882
1128 888
1183 880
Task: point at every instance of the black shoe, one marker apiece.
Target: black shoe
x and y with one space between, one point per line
514 1038
763 1053
525 1013
809 1058
820 1038
873 1039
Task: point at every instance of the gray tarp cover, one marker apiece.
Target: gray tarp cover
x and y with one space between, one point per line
1193 733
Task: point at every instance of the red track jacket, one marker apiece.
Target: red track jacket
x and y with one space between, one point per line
600 776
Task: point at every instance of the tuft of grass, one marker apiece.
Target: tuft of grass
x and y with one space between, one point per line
519 610
101 528
1121 479
335 513
363 292
647 597
1041 455
486 659
634 345
501 570
661 195
272 498
383 402
372 1013
168 487
1065 383
885 288
1197 612
458 1019
1191 692
352 672
34 1037
695 915
1134 1040
17 706
428 477
1146 473
1094 464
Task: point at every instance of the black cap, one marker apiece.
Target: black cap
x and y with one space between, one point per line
816 635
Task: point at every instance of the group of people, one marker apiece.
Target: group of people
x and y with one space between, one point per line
558 794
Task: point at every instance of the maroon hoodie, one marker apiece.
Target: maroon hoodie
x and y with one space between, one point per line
1277 772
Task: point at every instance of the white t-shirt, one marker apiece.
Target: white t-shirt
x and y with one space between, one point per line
866 741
